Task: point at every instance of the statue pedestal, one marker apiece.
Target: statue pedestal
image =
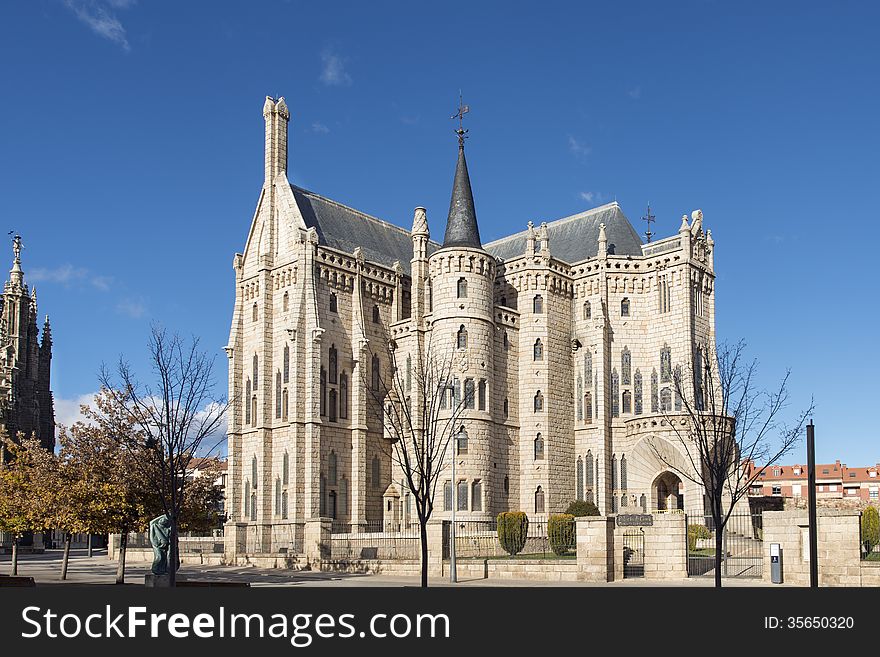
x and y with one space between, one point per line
152 581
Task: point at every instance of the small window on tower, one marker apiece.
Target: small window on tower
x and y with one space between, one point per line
375 314
462 288
333 307
624 307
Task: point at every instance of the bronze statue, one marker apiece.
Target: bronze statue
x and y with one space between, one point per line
160 539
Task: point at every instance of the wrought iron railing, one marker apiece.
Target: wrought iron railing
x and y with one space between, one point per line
374 540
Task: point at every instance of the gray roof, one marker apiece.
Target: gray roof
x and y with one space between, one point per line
575 238
344 228
461 225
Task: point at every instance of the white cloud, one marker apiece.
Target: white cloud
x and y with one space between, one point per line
591 197
134 308
635 93
333 72
319 128
68 275
67 411
578 148
97 16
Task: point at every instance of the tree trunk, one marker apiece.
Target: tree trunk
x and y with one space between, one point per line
120 565
423 526
66 556
15 555
719 543
173 554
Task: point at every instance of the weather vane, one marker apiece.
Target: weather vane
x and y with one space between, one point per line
649 219
462 110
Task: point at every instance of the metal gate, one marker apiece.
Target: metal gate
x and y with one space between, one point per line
634 553
742 552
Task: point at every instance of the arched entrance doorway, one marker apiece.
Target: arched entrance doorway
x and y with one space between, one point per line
668 492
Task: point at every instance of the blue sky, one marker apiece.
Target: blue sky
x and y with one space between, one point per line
132 138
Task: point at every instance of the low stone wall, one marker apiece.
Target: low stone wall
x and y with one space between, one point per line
837 545
870 573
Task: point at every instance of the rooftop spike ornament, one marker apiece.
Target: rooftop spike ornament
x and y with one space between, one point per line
462 110
649 219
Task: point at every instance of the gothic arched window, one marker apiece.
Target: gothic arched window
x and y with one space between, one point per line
247 499
481 395
254 471
285 302
539 447
247 403
461 496
615 394
408 373
614 472
698 379
506 342
375 371
331 468
461 339
539 500
588 367
506 485
624 307
539 402
333 306
323 391
461 440
254 313
469 393
623 485
538 305
277 497
665 400
506 408
625 366
627 401
588 407
677 387
254 408
284 404
375 314
376 472
538 350
286 364
285 469
278 396
638 391
332 399
256 364
580 398
665 364
477 496
579 494
343 395
588 310
333 363
447 496
462 288
655 404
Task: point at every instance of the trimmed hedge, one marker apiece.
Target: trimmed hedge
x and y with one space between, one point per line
513 529
696 532
562 533
581 508
870 527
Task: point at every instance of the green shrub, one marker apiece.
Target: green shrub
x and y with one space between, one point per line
696 532
562 533
580 508
870 527
513 529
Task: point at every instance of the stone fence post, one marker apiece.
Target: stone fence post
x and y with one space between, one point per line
595 548
317 541
435 548
666 547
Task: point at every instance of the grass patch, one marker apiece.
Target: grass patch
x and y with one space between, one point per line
873 556
702 552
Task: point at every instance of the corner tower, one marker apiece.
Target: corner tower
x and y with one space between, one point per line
462 276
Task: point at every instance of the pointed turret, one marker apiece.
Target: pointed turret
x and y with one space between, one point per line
461 226
47 335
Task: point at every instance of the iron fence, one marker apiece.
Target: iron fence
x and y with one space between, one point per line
634 552
742 551
478 539
374 540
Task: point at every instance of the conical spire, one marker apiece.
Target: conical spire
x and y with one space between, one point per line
461 226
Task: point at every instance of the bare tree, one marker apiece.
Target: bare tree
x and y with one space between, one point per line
729 423
175 416
421 411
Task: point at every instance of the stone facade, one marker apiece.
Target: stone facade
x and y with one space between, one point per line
568 336
26 403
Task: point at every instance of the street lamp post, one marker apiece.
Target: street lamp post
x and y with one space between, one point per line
453 575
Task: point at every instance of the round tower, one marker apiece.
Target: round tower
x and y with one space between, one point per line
462 275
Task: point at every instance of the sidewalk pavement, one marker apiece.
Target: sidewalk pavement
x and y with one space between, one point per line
99 570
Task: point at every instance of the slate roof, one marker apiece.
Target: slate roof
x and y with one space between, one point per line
344 228
461 224
575 238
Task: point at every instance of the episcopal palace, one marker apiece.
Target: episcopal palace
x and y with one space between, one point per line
567 340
